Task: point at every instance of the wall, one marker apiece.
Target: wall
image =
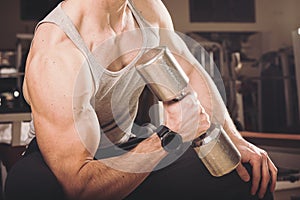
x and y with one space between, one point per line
10 24
276 19
275 22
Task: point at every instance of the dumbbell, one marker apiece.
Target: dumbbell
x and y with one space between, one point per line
168 82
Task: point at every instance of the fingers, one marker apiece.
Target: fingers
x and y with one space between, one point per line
197 118
186 117
243 173
263 171
273 172
256 173
265 175
204 121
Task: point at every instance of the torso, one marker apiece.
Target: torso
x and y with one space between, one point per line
115 66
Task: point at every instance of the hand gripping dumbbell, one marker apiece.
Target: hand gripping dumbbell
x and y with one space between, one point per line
168 82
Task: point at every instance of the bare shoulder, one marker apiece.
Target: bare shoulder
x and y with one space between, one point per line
52 65
155 12
50 41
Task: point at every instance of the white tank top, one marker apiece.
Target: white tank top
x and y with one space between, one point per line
116 93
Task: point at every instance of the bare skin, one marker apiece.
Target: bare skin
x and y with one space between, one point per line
49 84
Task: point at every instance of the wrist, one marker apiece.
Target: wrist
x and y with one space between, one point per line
231 131
170 140
151 144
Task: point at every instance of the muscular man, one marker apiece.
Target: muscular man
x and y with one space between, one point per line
83 90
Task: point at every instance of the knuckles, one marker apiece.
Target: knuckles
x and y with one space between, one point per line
257 157
264 154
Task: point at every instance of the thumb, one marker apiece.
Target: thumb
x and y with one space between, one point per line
243 173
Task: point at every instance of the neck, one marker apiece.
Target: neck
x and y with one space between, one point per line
103 13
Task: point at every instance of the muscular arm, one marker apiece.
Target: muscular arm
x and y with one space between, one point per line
263 169
63 117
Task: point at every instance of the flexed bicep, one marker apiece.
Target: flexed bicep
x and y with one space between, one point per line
67 130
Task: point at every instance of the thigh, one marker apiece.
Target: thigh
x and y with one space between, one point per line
30 178
188 178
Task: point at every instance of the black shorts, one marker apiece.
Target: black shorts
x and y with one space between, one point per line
186 178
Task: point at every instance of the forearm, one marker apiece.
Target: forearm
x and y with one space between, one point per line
116 177
201 82
99 181
212 101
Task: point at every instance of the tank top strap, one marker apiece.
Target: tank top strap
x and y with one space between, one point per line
151 33
58 16
140 19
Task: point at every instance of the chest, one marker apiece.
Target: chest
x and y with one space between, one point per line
118 51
